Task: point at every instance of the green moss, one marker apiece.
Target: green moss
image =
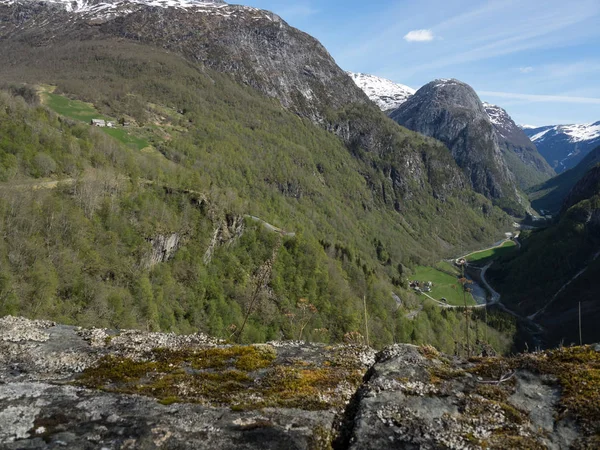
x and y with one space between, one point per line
512 414
578 372
115 370
492 368
321 438
169 400
492 392
438 374
429 352
506 441
242 377
256 357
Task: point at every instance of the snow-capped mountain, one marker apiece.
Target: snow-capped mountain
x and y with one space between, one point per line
89 5
385 93
564 146
101 10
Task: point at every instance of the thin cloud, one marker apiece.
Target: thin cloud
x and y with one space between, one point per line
297 11
528 69
542 98
419 36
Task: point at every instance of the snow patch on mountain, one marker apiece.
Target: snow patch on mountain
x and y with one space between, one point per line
91 5
100 10
540 136
385 93
574 133
497 115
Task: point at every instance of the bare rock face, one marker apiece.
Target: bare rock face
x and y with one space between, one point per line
451 111
415 397
529 167
67 387
163 248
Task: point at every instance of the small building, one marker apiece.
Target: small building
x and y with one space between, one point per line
98 123
110 124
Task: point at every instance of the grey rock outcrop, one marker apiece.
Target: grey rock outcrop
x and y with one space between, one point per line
420 399
163 248
271 396
227 231
67 387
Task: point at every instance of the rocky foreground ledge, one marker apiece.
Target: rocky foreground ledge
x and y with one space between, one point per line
67 387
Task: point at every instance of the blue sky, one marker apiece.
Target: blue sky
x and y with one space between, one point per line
539 59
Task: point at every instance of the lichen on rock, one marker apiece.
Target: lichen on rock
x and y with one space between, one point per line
68 387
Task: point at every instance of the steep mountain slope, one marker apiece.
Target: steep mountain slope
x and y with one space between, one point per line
255 46
244 115
549 196
521 155
451 111
385 93
558 267
564 146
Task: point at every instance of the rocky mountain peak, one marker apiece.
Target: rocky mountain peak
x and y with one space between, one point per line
450 111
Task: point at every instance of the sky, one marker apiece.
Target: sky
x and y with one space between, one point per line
538 59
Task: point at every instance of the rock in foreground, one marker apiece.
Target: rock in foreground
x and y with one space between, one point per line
66 387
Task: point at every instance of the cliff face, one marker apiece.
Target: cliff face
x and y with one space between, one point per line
521 155
77 388
451 112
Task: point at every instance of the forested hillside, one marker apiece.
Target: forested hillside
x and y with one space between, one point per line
557 267
159 237
549 196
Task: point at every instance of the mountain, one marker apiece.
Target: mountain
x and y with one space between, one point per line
557 268
234 126
385 93
528 166
255 46
564 146
521 155
450 111
549 196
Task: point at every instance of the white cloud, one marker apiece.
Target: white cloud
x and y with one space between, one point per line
419 36
541 98
527 69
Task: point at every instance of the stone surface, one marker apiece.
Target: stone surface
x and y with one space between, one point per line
66 387
417 398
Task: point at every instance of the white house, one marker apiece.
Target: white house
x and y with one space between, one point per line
98 123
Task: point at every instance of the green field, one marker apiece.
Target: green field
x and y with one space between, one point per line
85 112
492 253
444 284
126 138
72 108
